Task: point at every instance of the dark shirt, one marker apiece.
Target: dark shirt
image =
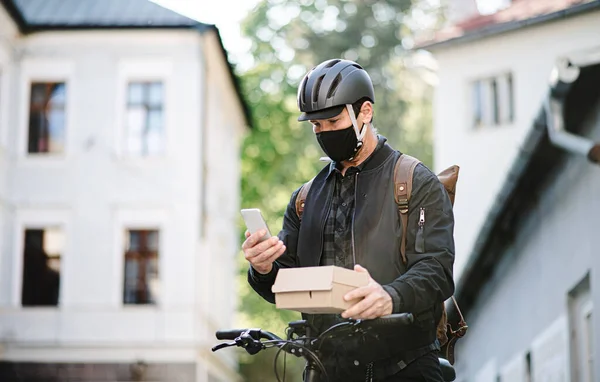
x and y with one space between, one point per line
337 235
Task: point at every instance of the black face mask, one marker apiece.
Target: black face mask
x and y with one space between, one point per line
339 145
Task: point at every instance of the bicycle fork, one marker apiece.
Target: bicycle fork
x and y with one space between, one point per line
311 374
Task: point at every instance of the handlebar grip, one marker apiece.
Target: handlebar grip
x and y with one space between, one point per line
231 334
392 320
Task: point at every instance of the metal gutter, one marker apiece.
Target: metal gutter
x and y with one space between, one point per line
512 26
563 76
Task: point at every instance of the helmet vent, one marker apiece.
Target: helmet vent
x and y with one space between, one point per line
318 88
333 62
302 90
334 85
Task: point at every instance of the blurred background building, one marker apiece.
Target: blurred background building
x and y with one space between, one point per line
120 127
518 108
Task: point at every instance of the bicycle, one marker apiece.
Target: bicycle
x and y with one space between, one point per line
303 345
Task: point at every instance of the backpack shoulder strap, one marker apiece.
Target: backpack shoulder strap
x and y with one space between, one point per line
301 198
403 178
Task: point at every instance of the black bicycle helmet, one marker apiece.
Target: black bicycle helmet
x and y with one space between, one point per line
328 87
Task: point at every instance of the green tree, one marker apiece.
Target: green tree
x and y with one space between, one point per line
288 38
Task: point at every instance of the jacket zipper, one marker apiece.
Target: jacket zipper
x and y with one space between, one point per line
323 226
420 239
353 213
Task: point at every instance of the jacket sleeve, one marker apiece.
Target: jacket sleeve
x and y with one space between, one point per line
429 250
289 235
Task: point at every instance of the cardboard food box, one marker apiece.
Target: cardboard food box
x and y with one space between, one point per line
316 289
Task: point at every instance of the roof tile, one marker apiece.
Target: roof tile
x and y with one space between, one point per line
100 13
519 10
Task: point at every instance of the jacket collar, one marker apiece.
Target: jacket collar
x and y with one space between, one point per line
378 156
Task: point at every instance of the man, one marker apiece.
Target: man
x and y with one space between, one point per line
350 219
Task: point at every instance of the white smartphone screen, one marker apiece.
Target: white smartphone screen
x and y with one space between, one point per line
255 221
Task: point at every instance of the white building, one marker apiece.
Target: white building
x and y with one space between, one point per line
518 108
120 126
488 63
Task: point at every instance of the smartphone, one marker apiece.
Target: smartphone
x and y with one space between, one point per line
255 222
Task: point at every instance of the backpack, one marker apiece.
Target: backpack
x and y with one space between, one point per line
403 175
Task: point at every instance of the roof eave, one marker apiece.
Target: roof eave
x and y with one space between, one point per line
26 28
200 27
234 78
15 14
510 26
36 28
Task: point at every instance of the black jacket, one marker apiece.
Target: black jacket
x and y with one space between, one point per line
426 283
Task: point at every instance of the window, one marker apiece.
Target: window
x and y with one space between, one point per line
589 336
46 133
478 103
1 110
145 121
515 369
493 103
42 251
548 358
528 368
580 316
141 284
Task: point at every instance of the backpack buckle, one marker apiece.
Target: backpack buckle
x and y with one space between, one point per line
403 205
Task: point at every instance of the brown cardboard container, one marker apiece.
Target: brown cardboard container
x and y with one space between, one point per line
316 289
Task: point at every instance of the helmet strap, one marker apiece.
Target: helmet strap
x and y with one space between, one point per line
360 134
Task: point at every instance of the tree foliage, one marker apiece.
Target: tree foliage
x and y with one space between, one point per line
288 38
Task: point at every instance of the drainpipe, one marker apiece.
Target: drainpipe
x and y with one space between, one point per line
562 77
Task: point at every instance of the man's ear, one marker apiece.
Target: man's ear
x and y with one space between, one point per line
367 111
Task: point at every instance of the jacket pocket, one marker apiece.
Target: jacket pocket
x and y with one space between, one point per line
420 237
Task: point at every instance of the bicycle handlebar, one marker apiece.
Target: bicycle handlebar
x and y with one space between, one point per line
228 334
389 320
257 334
380 322
305 347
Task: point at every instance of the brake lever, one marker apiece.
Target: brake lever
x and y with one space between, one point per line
251 345
223 345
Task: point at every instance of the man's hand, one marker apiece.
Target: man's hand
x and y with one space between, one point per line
262 255
376 302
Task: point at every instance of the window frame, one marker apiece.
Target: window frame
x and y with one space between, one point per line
45 70
142 70
137 254
5 72
579 305
490 101
145 88
134 219
515 366
550 346
34 282
40 219
37 109
588 310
